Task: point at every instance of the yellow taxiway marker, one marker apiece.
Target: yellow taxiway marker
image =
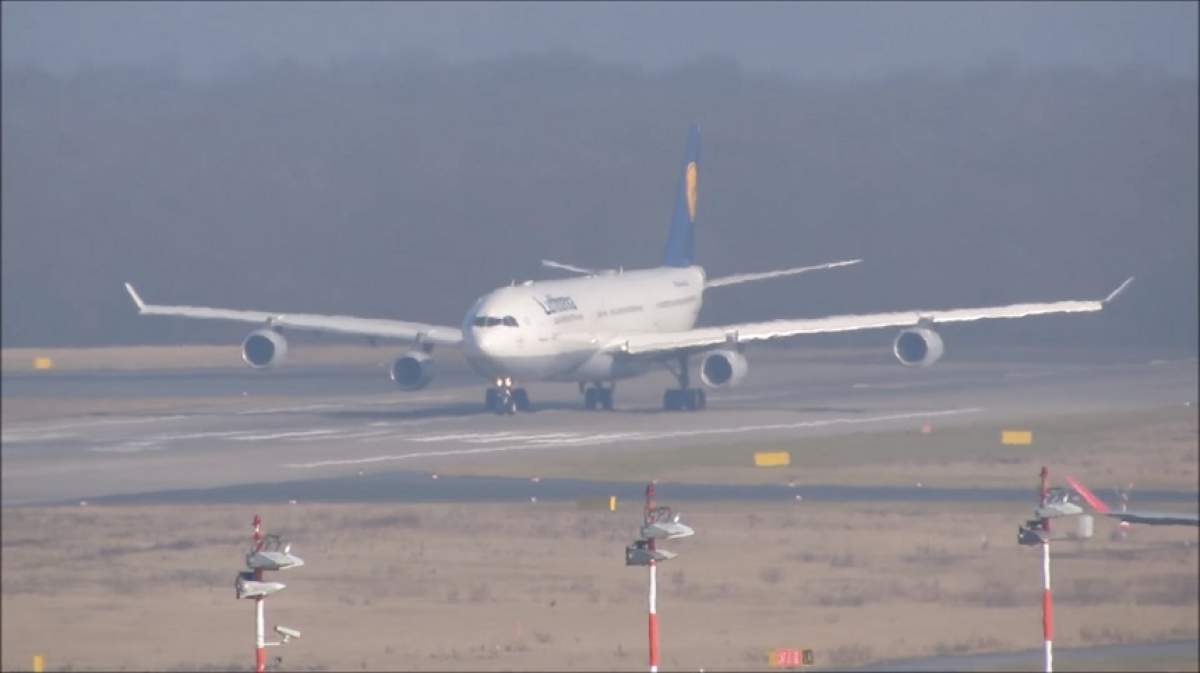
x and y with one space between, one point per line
1016 437
772 458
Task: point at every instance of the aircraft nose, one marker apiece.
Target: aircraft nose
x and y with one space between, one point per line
485 342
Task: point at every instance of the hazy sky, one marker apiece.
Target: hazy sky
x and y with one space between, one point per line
822 40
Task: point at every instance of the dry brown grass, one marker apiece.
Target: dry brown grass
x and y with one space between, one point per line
452 586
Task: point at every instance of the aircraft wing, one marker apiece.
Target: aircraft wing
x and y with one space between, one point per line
1157 518
342 324
703 337
763 275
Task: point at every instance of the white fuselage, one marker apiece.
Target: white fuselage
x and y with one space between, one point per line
556 330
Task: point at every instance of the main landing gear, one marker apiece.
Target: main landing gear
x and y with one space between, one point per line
505 399
683 397
596 396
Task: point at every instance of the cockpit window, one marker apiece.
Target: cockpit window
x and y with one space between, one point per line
490 321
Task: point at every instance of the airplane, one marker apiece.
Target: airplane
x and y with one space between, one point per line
607 325
1131 516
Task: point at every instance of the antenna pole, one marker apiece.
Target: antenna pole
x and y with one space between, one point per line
260 640
647 518
1047 603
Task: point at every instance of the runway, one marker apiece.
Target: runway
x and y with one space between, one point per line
201 430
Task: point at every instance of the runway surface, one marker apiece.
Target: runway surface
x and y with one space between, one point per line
213 429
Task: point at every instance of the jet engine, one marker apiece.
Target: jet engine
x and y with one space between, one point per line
413 370
723 368
918 347
264 348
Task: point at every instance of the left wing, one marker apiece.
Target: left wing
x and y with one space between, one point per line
661 342
344 324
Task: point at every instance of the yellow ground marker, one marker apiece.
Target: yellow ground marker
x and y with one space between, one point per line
609 503
1016 437
43 363
39 664
772 458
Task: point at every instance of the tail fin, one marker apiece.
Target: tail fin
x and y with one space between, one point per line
681 242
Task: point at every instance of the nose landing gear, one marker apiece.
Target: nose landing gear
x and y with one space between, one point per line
683 397
505 399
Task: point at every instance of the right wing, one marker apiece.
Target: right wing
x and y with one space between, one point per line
702 337
342 324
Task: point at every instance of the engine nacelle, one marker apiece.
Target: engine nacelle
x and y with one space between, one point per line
264 348
413 370
719 369
918 347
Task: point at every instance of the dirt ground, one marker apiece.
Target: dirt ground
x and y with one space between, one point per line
543 586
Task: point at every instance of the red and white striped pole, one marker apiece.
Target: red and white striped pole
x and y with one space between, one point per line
1047 603
260 640
653 585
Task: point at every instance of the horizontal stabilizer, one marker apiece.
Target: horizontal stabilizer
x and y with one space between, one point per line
748 277
551 264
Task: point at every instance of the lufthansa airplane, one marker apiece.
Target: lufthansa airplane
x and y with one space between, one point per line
603 326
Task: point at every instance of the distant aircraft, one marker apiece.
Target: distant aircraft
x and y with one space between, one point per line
608 325
1129 516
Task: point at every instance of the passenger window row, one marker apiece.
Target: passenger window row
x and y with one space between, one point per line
490 321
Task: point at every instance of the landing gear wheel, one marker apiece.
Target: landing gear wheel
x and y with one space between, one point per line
606 400
683 397
521 399
597 397
690 399
508 405
506 401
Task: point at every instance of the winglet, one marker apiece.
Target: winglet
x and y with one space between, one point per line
1121 288
136 299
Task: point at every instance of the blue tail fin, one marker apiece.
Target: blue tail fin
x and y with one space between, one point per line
681 241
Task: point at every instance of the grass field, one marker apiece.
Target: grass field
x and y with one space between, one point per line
490 587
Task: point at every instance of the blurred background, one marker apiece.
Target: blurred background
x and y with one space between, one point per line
398 160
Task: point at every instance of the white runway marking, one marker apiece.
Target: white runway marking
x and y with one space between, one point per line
170 437
128 447
34 430
280 410
609 438
15 437
283 435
